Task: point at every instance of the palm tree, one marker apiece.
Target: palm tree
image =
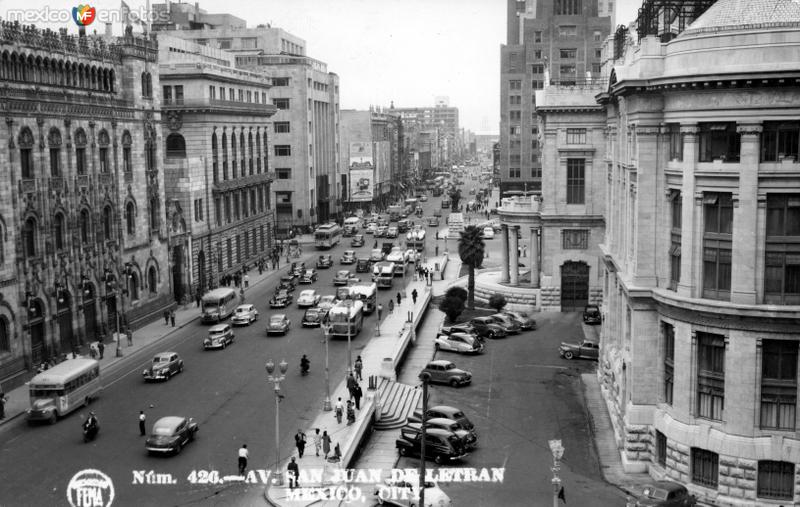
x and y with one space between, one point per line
470 250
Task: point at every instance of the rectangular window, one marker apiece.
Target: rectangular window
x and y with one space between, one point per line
231 94
537 54
218 211
596 69
775 480
283 150
782 259
198 210
281 103
515 100
537 68
241 95
537 36
598 36
515 115
710 376
576 136
249 96
718 210
574 239
80 161
227 209
567 31
281 127
179 94
249 42
705 467
167 95
238 248
283 173
212 92
245 207
719 141
127 163
568 71
103 156
675 142
669 361
26 163
676 209
568 54
263 97
661 448
576 180
780 140
55 162
568 7
229 244
515 84
779 384
536 172
236 209
515 130
598 53
224 43
514 172
536 84
280 81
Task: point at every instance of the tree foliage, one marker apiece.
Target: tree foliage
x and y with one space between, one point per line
471 251
452 305
498 302
455 198
457 292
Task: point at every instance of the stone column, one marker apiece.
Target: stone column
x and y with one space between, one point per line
504 276
691 248
513 248
743 282
535 258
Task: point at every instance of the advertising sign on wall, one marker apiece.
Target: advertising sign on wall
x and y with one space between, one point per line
361 172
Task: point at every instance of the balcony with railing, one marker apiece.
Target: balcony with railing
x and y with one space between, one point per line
520 205
217 105
243 181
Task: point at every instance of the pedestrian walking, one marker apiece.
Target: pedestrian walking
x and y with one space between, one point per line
166 317
339 409
337 453
380 311
3 401
399 299
317 441
101 348
172 317
243 455
358 366
351 414
142 419
326 444
414 295
93 350
300 442
391 306
357 394
351 384
246 281
129 334
294 474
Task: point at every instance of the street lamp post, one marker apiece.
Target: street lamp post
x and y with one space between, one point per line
425 377
326 404
112 283
276 381
558 451
349 304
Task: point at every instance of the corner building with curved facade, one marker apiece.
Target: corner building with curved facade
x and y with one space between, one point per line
699 346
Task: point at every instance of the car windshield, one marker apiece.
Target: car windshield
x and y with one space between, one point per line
342 273
163 359
657 494
309 272
217 331
312 312
281 294
163 431
242 310
277 319
307 293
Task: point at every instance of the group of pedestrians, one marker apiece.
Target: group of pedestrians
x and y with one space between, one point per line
424 273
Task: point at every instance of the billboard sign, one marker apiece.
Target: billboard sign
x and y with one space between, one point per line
361 172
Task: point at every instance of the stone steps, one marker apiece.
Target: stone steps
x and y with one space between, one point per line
398 401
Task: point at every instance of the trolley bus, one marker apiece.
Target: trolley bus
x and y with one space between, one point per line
327 235
346 319
63 388
218 304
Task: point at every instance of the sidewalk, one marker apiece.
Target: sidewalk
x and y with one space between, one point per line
382 455
144 339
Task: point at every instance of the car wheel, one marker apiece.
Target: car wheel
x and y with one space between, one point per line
438 459
454 383
53 418
180 368
402 451
568 354
178 448
224 344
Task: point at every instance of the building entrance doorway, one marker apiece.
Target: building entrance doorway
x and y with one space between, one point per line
574 286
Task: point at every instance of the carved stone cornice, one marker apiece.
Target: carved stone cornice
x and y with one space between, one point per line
647 130
689 133
750 131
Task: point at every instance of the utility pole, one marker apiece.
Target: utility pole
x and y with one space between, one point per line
425 379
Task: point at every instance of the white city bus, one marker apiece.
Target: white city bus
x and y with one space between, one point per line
327 235
219 304
346 319
367 294
61 389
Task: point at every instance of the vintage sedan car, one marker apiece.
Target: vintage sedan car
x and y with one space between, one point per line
308 298
423 198
525 322
432 221
309 276
327 302
170 434
219 337
465 328
486 327
381 231
406 494
459 342
357 241
362 265
297 269
371 228
164 366
446 372
278 323
468 437
244 315
665 494
376 255
313 317
392 232
440 445
343 277
281 299
510 324
591 315
488 233
324 261
446 412
348 257
286 283
587 349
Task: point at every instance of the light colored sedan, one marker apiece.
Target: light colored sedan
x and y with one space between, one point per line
348 257
371 228
459 342
308 298
327 302
279 324
244 315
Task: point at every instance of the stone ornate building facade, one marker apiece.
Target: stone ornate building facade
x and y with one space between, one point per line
82 235
701 335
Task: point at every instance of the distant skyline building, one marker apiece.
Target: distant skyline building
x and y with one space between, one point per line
444 119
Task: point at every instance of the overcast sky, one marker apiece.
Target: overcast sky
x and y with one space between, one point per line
406 51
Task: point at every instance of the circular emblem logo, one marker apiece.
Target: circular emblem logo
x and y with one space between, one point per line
90 488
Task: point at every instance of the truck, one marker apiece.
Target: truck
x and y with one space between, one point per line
399 258
416 238
382 274
394 213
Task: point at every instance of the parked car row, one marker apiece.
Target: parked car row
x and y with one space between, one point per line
449 435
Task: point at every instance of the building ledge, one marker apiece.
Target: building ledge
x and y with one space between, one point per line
726 308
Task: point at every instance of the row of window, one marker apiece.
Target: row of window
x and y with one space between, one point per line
245 156
516 172
233 95
244 248
238 204
782 246
62 73
597 35
774 479
720 141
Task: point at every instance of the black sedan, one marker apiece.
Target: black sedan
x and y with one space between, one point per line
309 276
314 317
281 299
324 261
287 283
358 240
170 434
343 277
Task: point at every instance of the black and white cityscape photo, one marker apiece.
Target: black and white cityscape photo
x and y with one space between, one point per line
429 253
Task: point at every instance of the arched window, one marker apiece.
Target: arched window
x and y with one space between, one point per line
250 150
133 285
80 152
54 140
58 231
233 156
102 141
85 225
152 280
144 84
112 87
150 155
127 162
149 84
5 337
154 222
26 153
214 155
29 238
130 218
107 222
224 156
176 146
